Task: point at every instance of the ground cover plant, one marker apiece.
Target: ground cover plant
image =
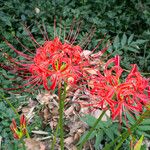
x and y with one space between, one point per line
69 76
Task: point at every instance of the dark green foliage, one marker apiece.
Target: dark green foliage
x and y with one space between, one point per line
113 18
105 131
143 128
6 115
130 50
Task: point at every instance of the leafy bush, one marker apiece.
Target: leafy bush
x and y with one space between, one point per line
104 132
111 17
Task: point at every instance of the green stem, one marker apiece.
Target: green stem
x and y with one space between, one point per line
61 110
12 107
125 135
91 130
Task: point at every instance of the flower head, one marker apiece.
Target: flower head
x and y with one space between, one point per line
55 62
110 91
52 62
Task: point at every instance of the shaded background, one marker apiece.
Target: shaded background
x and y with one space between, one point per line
111 17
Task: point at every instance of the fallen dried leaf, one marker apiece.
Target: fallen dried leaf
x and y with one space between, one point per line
69 140
96 113
69 111
40 132
32 144
91 71
46 114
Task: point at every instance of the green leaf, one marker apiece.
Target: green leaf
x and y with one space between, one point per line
114 129
144 127
84 135
146 122
130 39
116 42
130 118
139 143
5 123
89 120
109 133
123 40
4 18
99 138
117 52
133 49
142 133
138 42
110 49
2 106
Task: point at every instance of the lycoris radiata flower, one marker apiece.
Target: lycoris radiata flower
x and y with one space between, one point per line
53 62
108 91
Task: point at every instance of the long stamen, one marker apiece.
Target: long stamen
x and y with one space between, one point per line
23 46
18 52
55 32
31 36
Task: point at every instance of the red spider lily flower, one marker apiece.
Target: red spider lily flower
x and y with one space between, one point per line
54 61
132 95
127 99
113 74
109 91
18 133
139 83
101 93
56 64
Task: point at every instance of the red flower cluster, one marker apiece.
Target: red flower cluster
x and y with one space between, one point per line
109 91
53 63
21 131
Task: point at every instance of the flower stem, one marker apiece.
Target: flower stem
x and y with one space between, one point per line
61 119
91 130
61 109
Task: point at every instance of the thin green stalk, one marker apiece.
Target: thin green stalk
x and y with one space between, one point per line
91 130
61 109
12 107
58 125
125 135
61 115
